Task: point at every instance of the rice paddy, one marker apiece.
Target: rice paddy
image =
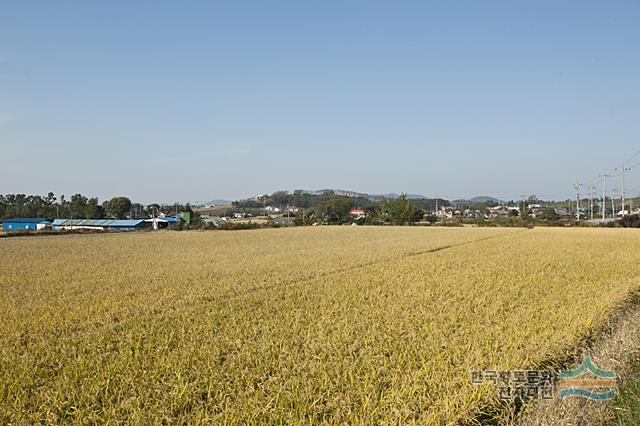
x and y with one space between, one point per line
302 325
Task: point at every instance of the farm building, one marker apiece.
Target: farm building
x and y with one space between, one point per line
25 224
99 224
163 222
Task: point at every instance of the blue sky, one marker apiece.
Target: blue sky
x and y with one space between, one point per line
167 101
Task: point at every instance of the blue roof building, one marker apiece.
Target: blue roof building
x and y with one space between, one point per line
99 224
25 224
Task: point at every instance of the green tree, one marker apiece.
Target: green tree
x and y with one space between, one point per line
401 211
77 206
335 209
153 209
118 207
304 218
93 210
549 214
432 218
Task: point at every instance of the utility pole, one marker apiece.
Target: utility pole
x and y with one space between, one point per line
591 188
622 170
577 187
155 221
604 193
622 188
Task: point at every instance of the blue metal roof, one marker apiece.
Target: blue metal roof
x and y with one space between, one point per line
168 219
26 220
98 222
163 219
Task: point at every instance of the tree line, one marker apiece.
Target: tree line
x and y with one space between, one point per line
337 210
328 207
79 206
299 199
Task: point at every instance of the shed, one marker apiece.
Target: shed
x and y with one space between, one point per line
25 224
99 224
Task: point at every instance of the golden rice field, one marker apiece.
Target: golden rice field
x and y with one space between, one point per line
303 325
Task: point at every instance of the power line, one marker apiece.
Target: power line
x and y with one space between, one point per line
633 156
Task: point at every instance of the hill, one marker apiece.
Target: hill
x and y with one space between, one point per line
478 200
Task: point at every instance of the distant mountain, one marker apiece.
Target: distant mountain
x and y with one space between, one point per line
393 195
478 200
373 197
217 202
416 197
343 192
486 199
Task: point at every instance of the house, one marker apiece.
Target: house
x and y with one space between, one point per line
25 224
448 212
473 214
358 213
502 211
99 224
